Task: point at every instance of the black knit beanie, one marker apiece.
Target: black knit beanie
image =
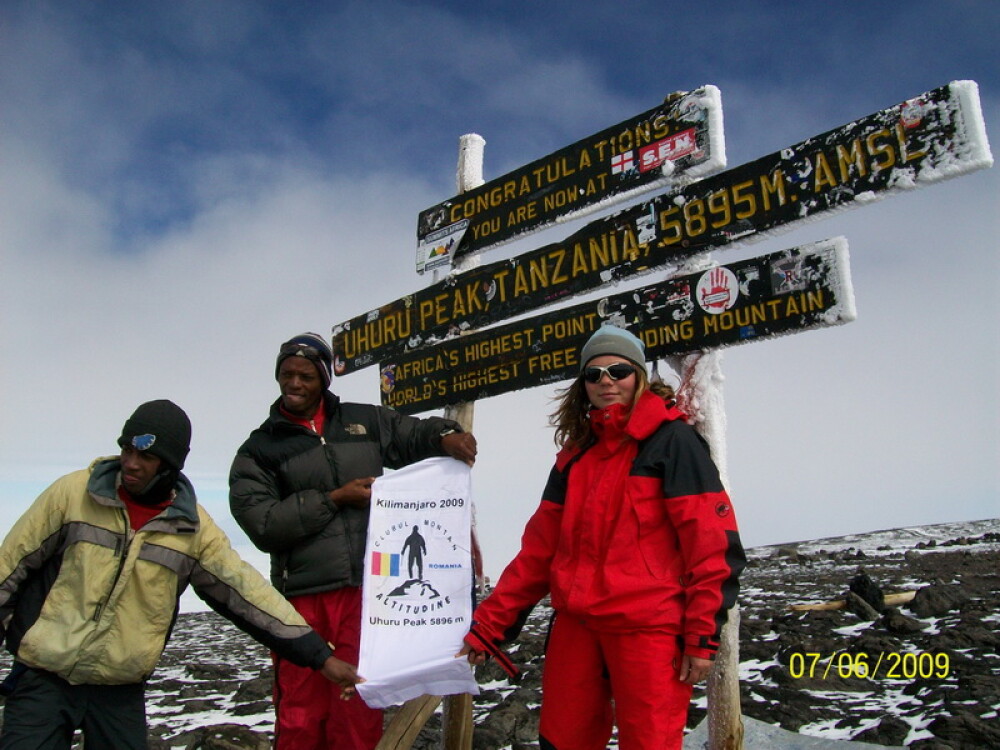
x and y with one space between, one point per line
160 428
312 347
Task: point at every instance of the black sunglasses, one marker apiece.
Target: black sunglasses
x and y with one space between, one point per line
301 350
617 371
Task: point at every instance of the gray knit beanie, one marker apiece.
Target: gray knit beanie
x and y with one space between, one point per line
609 339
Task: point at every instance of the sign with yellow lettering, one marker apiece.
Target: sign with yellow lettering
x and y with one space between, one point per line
933 137
794 290
682 136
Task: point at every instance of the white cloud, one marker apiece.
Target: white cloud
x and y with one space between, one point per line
171 214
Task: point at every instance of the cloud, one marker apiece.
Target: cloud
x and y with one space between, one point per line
182 194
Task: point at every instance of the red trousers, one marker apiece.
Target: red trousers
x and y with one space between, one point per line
310 712
592 681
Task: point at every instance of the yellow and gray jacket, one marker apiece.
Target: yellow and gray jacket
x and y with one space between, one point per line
85 597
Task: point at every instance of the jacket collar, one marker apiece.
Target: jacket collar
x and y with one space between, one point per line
278 421
642 421
103 488
649 413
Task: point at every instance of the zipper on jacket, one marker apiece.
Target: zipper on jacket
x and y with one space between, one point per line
350 552
122 545
312 424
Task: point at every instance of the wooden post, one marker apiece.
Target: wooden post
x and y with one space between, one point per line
407 723
456 720
700 396
725 719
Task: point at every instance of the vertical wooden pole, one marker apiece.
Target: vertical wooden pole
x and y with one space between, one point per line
456 722
701 398
456 716
457 713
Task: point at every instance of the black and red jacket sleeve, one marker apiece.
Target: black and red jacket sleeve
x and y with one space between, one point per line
702 515
525 581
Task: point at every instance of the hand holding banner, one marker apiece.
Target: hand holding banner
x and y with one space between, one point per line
417 591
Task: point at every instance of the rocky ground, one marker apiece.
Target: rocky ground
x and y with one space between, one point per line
923 674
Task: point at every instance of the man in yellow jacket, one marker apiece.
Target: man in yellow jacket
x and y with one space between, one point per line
90 581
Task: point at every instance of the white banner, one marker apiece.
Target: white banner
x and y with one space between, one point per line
417 591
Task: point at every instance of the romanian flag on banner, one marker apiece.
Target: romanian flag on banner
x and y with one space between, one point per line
385 564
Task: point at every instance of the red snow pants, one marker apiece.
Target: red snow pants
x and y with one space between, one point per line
592 680
310 712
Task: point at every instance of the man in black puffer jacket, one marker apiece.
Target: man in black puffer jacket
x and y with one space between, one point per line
300 487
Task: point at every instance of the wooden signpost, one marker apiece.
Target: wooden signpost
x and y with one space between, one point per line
919 142
682 137
424 365
795 290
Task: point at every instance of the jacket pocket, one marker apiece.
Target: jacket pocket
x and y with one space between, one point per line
656 540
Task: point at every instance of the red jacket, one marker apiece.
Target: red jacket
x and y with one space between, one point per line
634 532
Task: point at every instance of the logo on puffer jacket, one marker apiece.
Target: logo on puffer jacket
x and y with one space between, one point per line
722 509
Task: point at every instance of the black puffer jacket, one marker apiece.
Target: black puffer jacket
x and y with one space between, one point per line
281 475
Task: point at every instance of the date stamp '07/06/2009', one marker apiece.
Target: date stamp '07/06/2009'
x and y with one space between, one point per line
888 666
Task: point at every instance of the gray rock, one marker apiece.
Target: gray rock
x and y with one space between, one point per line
859 606
260 688
889 731
226 737
937 600
866 588
966 731
896 622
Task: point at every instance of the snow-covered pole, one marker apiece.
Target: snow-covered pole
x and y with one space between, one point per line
457 714
469 175
700 396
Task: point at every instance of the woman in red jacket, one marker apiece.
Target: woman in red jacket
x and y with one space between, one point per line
636 542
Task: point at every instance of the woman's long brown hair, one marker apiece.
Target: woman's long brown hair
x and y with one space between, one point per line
572 415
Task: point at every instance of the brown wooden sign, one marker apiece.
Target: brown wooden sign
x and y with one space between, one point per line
760 298
933 137
681 137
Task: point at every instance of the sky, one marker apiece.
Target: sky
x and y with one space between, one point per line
185 185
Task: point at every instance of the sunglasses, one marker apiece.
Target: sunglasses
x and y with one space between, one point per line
141 442
301 350
617 371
